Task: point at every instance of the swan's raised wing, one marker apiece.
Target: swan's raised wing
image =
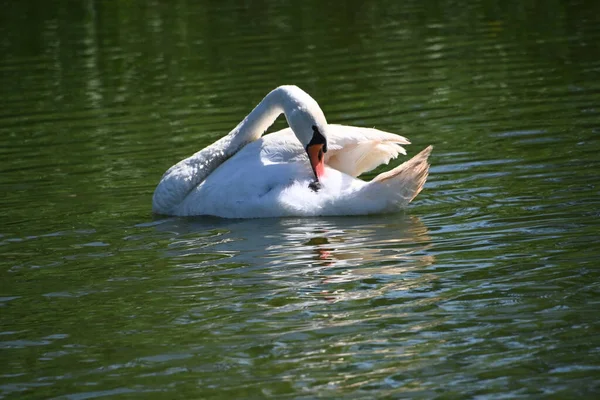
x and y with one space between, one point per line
354 150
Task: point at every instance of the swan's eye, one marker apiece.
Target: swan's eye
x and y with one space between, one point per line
318 138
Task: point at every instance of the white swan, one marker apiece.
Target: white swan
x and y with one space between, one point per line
244 175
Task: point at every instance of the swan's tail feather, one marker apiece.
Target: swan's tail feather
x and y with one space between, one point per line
407 179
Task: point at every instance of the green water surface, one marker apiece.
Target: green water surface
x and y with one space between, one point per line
486 287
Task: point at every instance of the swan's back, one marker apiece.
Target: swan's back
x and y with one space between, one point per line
270 177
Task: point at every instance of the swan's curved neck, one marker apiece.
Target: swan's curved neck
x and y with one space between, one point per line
259 120
284 99
184 176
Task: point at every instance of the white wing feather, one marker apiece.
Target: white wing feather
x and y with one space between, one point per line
354 150
350 149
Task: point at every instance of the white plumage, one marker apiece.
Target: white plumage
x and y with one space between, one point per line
244 175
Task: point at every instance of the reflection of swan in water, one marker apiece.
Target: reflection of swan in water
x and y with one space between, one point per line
373 253
312 256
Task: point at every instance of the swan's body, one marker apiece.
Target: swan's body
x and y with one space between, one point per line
244 175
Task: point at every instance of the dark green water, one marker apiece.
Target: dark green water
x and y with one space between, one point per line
487 287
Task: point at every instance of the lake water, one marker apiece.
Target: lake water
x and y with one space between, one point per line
486 287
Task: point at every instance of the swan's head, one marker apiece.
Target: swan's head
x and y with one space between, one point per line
309 125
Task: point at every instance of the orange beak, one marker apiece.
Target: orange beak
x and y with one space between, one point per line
316 157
